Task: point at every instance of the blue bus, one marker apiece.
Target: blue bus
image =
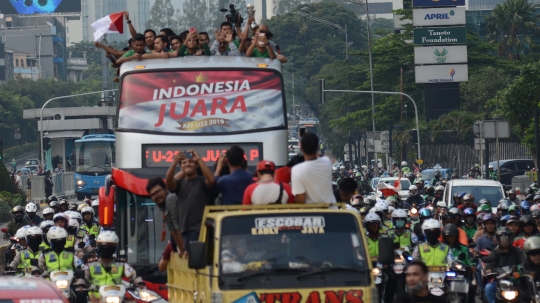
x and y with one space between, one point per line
94 159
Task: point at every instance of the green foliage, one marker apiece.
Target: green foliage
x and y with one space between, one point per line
6 184
9 200
455 126
161 15
482 87
19 150
510 26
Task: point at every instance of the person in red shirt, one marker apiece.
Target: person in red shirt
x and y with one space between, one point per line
267 190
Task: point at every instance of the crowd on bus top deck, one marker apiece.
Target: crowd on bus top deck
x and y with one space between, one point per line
183 195
251 42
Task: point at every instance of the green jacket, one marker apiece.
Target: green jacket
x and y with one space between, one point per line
461 249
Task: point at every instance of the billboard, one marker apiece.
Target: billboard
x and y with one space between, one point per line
441 73
209 101
440 54
439 16
438 3
440 35
24 7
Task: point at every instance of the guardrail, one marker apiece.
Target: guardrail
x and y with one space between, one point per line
63 185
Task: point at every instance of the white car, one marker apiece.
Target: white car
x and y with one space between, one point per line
405 184
480 189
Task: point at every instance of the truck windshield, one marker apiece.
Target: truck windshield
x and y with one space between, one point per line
94 157
297 247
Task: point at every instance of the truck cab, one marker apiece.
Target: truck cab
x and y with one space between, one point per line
312 253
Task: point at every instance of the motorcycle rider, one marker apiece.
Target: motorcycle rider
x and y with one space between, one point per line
487 240
57 257
436 177
48 213
429 193
525 206
54 205
95 206
423 214
17 222
438 194
529 229
106 270
381 209
513 226
72 206
23 259
512 197
450 218
493 173
468 201
414 198
45 226
419 182
514 210
31 216
400 233
503 255
90 224
532 251
61 220
502 208
432 252
373 227
470 226
63 205
536 216
458 216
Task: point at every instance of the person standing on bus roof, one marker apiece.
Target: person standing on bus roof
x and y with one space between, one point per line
191 191
312 179
232 186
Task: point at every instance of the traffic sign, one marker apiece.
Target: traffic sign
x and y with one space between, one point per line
477 129
479 143
346 148
420 161
385 135
346 157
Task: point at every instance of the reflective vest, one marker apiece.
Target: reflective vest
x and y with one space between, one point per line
405 240
373 247
70 241
434 256
91 230
44 246
56 262
100 277
26 258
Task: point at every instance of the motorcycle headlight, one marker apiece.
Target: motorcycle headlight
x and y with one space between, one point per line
62 284
437 282
458 265
112 300
147 296
509 294
376 271
414 211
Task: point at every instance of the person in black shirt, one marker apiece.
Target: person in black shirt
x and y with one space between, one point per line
417 286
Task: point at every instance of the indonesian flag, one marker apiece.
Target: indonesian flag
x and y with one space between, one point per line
397 183
113 23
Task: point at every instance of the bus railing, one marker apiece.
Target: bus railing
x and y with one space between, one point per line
63 185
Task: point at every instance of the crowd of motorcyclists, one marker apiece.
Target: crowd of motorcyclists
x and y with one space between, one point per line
471 246
67 238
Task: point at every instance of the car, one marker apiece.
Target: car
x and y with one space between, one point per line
31 162
24 290
512 168
33 168
429 174
24 171
405 184
374 183
488 189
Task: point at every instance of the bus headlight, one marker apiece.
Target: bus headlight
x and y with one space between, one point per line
80 183
509 294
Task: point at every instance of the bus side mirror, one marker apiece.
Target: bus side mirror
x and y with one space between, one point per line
197 255
106 206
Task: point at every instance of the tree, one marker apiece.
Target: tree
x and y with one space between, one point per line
161 15
6 184
510 26
482 87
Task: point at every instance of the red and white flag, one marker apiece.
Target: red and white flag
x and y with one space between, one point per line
113 23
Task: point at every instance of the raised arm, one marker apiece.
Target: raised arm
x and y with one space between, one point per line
110 50
169 179
132 30
207 174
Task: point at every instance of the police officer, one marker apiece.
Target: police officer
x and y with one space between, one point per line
373 226
400 233
24 259
63 204
95 206
57 257
90 224
432 252
45 226
423 214
17 222
54 205
106 270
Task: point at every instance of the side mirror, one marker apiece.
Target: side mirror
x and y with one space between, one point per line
4 230
462 256
197 255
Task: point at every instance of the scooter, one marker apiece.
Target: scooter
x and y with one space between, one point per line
514 286
63 279
112 293
436 277
457 283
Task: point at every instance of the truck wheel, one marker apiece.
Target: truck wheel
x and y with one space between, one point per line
80 197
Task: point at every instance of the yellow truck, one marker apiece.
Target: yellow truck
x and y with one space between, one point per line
292 253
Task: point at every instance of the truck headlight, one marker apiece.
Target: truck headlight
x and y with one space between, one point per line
509 294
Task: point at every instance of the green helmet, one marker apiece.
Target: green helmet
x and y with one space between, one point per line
532 243
485 209
391 199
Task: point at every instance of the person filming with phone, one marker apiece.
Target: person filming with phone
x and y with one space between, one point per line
191 191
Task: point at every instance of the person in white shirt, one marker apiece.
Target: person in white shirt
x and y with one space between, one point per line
312 179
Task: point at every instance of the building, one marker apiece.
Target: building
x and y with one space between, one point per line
74 31
92 10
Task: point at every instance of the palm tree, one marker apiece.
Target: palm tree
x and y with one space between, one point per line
511 25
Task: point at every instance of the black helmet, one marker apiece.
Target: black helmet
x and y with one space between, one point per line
529 197
502 231
450 230
536 213
53 198
53 203
484 201
456 196
525 219
17 208
447 215
437 174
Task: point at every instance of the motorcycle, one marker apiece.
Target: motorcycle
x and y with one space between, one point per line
457 283
436 278
514 286
137 294
63 279
112 293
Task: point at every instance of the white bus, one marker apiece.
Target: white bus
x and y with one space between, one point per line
205 103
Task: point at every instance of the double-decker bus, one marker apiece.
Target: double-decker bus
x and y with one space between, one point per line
170 105
94 159
309 125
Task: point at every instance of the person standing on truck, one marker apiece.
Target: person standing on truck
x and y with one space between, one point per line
267 190
312 179
233 185
191 191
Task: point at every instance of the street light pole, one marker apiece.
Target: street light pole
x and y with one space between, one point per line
387 93
56 98
332 25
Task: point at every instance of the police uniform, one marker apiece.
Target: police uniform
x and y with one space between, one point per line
407 239
23 260
373 248
433 256
92 229
51 261
99 275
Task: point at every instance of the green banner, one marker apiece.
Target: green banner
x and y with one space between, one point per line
440 35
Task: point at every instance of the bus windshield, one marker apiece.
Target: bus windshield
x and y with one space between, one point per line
203 101
94 157
291 244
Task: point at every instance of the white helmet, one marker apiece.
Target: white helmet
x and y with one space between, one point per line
107 237
75 215
73 223
431 224
45 224
413 190
87 210
404 163
21 232
534 207
381 206
439 187
391 209
399 213
48 211
372 217
95 202
56 233
33 231
364 166
491 166
441 204
59 216
31 207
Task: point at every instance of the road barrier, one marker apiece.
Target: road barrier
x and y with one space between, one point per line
63 185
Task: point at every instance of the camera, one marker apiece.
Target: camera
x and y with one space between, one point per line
234 15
